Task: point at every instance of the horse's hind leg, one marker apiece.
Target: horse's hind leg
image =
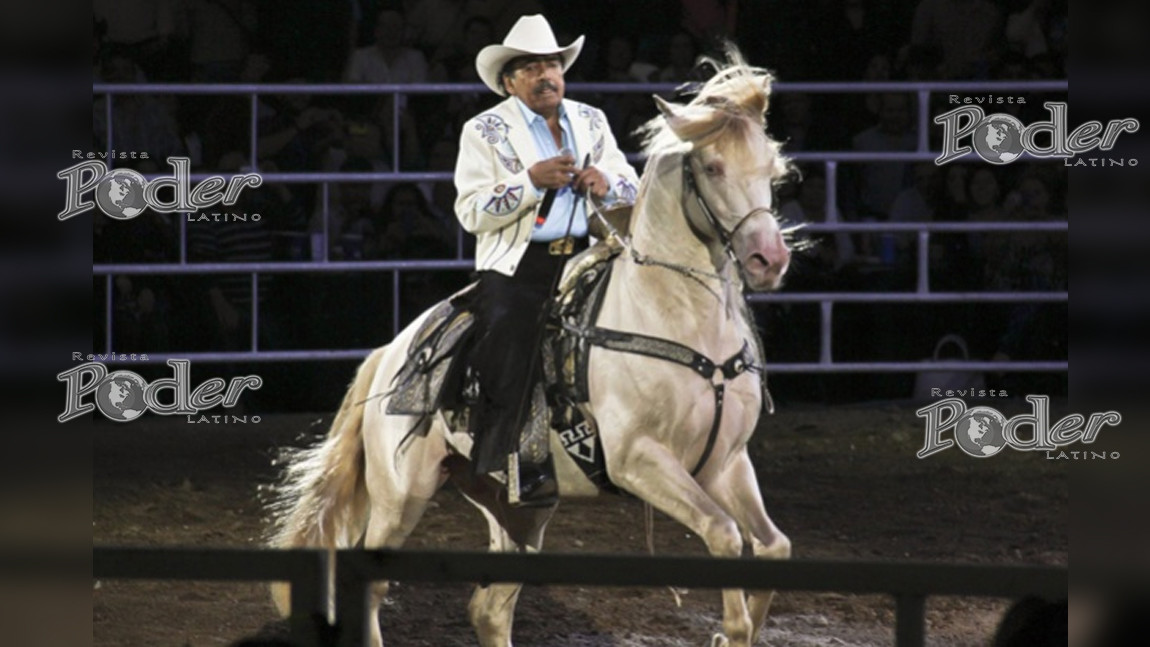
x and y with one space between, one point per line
736 489
492 607
401 485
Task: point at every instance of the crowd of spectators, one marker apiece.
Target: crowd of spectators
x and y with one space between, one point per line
432 41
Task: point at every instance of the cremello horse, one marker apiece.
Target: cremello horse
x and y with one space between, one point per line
702 229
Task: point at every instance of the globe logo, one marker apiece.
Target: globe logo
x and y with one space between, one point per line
998 139
120 194
978 432
120 396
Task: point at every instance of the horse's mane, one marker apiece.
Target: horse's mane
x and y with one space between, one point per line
729 109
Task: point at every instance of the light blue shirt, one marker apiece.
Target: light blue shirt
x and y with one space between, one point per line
555 227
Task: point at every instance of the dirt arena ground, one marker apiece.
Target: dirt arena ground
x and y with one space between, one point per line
843 482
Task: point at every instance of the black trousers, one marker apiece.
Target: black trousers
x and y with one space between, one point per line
509 321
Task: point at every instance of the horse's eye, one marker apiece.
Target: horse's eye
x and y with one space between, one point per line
713 169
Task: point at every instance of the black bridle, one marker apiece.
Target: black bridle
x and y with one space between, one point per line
725 236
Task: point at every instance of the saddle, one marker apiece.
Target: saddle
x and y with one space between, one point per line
436 376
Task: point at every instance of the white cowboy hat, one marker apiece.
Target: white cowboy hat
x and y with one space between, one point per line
531 36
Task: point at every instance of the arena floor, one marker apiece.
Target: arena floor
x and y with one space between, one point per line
843 482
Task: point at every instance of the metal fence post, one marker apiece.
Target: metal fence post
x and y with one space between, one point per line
826 315
311 599
254 128
255 312
352 615
923 265
910 620
108 287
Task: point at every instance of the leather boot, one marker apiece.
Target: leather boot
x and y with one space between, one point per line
537 484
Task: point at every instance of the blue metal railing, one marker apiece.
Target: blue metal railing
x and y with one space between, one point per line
830 161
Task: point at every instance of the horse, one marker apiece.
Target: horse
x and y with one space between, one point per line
702 230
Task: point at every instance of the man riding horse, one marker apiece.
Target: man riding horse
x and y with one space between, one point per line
524 170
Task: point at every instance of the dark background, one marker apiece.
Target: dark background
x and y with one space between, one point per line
851 40
47 295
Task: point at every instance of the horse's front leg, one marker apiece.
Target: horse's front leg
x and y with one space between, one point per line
650 472
736 489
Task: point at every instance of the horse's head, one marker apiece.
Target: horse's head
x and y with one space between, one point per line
729 167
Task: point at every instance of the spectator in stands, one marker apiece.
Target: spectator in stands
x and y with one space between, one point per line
881 182
221 32
442 203
618 65
407 228
919 62
442 115
879 69
968 32
297 134
410 144
709 20
984 196
458 64
214 125
388 60
830 252
350 227
915 203
952 204
435 26
146 31
363 140
1029 261
793 122
140 122
504 13
858 29
229 297
1026 29
681 54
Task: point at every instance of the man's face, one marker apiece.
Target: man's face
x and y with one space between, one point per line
537 81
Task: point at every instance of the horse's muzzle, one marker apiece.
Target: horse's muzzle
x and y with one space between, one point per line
765 262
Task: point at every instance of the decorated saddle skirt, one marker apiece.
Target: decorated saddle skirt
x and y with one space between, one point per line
436 376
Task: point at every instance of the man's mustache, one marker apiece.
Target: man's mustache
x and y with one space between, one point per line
544 86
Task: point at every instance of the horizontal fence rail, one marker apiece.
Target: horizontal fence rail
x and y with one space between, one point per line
829 159
306 570
909 583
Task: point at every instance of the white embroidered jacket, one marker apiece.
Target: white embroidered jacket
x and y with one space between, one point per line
496 200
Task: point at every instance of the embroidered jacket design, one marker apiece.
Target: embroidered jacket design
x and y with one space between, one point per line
509 162
626 191
592 115
597 150
492 127
504 200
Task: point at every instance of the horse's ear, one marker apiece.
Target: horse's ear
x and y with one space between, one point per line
670 111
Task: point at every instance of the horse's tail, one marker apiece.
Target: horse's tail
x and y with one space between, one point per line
322 500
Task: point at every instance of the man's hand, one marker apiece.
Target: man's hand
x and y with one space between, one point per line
553 173
592 179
